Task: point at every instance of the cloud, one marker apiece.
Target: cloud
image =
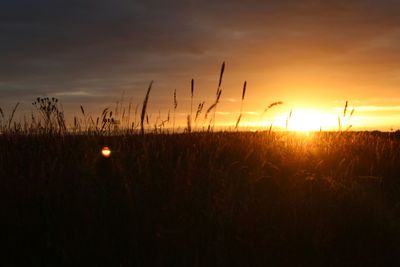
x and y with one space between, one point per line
76 93
104 47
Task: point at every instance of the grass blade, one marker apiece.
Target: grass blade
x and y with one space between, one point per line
144 107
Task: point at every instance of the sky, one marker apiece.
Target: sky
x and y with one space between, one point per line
312 55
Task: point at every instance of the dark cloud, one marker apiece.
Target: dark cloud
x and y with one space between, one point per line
58 46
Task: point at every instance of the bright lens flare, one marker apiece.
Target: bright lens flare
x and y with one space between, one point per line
307 120
106 152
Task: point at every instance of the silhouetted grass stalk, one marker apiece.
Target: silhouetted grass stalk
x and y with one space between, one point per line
175 106
241 105
144 107
273 104
213 107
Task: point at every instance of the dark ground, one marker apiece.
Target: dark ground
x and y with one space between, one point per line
222 199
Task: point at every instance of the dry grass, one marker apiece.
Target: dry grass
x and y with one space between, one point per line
201 199
50 117
144 107
241 105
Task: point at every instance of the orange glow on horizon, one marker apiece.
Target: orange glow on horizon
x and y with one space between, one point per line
305 120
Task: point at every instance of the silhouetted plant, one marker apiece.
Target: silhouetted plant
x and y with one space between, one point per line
241 105
144 107
51 113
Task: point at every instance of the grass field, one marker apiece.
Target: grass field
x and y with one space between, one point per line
201 199
194 196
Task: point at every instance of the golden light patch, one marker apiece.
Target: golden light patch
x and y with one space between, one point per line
311 120
106 152
303 120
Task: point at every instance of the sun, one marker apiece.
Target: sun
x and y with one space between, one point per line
307 120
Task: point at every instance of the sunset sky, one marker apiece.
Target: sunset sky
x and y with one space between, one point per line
312 55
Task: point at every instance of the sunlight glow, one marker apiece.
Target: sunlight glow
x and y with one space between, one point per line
106 152
303 120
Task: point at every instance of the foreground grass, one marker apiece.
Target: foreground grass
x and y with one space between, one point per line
201 199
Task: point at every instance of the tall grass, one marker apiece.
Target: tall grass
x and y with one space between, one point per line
12 115
191 98
175 107
270 106
51 116
288 119
213 107
345 119
232 198
144 107
190 117
241 105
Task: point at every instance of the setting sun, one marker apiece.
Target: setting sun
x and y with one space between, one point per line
304 120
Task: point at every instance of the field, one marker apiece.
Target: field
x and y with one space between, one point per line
194 196
201 199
